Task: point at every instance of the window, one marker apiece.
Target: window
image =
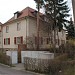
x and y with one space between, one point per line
7 29
0 41
41 40
6 41
0 34
18 40
18 26
47 40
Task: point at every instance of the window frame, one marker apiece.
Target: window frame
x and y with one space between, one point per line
6 41
7 29
18 26
20 40
0 34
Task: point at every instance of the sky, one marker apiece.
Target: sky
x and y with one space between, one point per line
9 7
70 7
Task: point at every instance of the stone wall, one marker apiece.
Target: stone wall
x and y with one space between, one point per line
8 49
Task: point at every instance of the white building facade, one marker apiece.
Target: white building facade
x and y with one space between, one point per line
22 29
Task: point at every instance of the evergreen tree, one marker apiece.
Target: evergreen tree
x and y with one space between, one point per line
57 10
71 30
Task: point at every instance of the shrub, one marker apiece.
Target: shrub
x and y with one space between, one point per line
4 58
60 63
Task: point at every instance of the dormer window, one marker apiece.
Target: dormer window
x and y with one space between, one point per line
17 14
34 13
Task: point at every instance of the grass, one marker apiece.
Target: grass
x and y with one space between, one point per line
69 70
64 64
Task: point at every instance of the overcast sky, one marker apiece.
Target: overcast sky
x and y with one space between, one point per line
9 7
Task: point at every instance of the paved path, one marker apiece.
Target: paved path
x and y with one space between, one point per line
4 70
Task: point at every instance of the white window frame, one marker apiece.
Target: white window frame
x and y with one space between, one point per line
6 41
18 26
0 41
18 40
7 29
0 34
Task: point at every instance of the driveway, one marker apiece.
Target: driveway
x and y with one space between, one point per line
5 70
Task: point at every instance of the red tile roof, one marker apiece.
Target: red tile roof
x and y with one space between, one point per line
25 12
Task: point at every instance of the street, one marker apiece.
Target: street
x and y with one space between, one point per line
4 70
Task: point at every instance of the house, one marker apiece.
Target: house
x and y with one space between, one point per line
22 29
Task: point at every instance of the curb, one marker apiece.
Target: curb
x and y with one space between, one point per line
33 72
28 71
21 70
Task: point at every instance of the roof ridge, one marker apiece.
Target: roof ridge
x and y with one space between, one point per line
25 12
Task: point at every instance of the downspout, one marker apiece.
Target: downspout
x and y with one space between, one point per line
26 32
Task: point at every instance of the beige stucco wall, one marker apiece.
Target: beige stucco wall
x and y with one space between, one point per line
27 25
32 27
43 29
62 36
0 27
29 28
14 33
43 32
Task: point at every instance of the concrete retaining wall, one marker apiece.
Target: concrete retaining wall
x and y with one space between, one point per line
13 55
37 54
31 54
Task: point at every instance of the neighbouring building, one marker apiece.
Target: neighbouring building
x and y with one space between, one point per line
22 29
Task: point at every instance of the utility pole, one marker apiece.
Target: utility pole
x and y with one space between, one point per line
38 1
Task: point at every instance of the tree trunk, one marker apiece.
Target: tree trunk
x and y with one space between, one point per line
38 26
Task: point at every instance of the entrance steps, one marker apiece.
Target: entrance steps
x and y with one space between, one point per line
19 66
